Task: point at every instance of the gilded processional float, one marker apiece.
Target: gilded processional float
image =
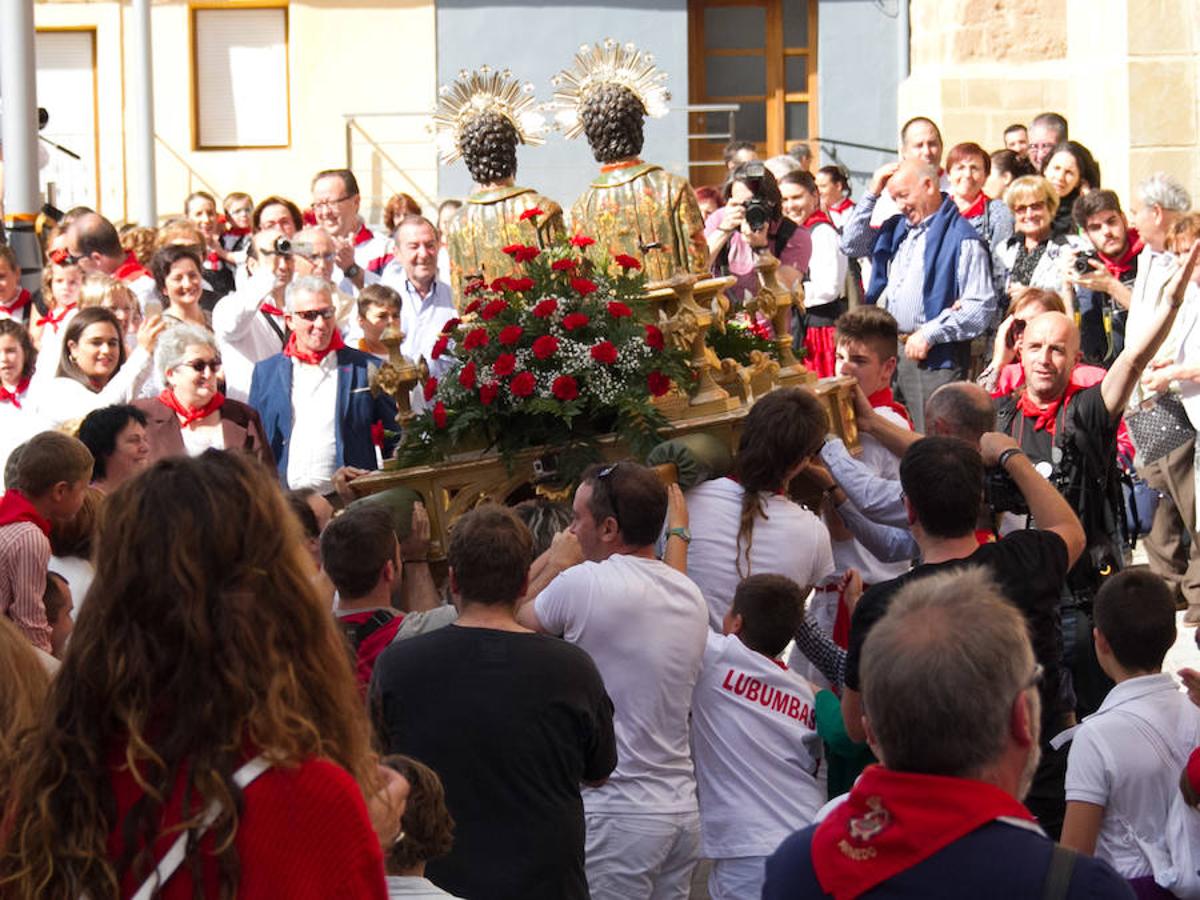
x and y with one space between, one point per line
574 347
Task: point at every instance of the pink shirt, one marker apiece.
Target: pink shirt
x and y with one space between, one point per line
741 257
24 560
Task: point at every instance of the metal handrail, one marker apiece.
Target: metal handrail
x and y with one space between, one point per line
857 146
731 108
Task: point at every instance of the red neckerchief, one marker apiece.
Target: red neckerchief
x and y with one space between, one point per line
842 205
54 319
233 231
131 269
212 261
186 414
14 507
816 219
894 820
885 397
1046 418
1118 267
335 343
14 397
271 309
364 234
20 303
977 207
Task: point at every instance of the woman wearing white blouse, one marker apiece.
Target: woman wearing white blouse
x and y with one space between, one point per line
93 371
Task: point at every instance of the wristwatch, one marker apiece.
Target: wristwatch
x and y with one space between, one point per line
1009 454
682 533
352 270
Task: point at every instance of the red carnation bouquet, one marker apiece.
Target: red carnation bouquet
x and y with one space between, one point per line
561 352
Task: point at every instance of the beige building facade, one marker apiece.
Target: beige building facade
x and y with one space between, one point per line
1123 72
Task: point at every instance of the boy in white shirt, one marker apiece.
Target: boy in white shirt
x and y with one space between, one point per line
754 737
1125 759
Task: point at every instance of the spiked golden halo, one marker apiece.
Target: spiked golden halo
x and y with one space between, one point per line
482 91
608 63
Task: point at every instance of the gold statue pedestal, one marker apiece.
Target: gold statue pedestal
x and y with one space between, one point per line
775 302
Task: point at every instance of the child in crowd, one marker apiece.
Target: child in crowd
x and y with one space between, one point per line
378 307
15 301
52 474
426 832
109 293
59 607
61 284
239 208
754 737
1125 759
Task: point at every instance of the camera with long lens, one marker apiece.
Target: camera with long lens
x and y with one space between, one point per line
757 212
287 247
1083 262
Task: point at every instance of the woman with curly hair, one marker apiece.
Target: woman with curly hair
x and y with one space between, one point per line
201 649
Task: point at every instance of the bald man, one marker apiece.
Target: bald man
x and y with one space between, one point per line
930 270
95 245
1069 433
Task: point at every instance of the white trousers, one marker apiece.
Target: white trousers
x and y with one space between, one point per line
648 856
737 878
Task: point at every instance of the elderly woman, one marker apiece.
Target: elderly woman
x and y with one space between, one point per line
1034 256
116 437
968 167
1071 171
191 415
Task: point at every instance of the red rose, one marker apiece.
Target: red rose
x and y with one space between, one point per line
583 286
474 286
658 383
439 414
377 434
530 213
467 376
565 388
605 352
504 364
493 309
545 346
626 262
582 240
563 265
545 308
619 310
520 284
430 388
451 324
439 346
510 334
654 337
574 320
523 384
488 392
474 305
475 338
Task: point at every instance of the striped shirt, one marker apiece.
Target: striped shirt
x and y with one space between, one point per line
24 561
904 295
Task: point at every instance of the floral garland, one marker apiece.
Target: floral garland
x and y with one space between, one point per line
561 352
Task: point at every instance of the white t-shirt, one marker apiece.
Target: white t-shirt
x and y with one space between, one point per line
754 735
312 452
790 541
644 625
1112 764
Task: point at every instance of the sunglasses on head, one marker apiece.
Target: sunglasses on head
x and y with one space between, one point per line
62 257
311 315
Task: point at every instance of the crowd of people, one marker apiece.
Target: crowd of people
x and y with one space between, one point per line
922 666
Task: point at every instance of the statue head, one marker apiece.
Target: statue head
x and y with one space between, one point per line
488 144
612 118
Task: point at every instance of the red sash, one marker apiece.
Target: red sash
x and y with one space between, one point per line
14 397
977 207
294 351
53 318
15 507
884 397
131 269
1118 267
816 219
186 414
894 820
20 303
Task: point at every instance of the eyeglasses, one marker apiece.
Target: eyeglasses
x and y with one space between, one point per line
311 315
610 495
330 204
63 257
199 366
1038 206
322 257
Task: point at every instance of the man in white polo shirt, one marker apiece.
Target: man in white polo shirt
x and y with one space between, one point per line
754 734
644 624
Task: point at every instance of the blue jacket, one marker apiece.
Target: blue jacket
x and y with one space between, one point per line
357 410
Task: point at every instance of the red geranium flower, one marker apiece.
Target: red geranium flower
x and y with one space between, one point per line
523 384
488 392
619 310
493 309
430 388
467 376
565 388
439 414
583 285
474 305
530 213
510 334
654 337
574 320
658 383
545 308
582 240
563 265
377 434
522 253
476 338
626 262
503 283
520 284
545 346
439 346
504 364
605 352
450 325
